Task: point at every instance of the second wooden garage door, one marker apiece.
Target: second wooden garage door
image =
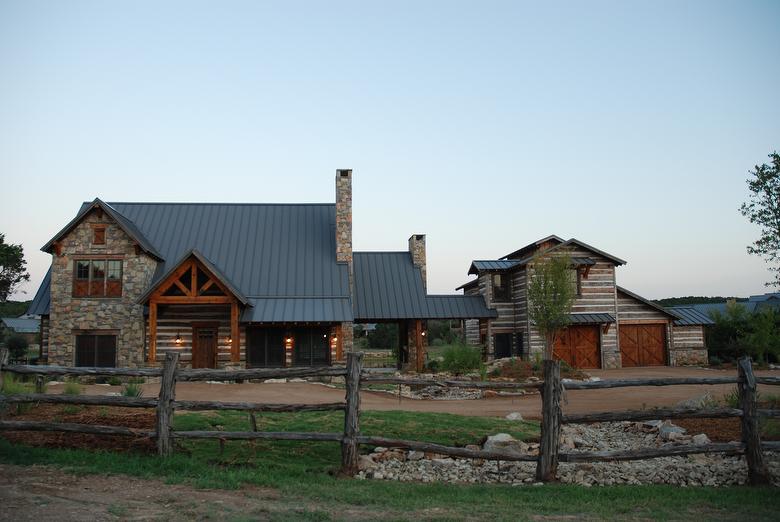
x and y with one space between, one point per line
643 344
579 347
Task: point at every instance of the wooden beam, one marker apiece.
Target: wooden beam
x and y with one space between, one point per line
194 279
152 332
729 448
181 287
205 286
200 299
72 428
651 414
252 406
235 334
443 450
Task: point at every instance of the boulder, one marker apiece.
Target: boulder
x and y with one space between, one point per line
365 462
505 443
701 439
667 428
514 416
696 402
415 455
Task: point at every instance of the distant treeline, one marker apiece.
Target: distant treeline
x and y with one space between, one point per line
696 299
13 308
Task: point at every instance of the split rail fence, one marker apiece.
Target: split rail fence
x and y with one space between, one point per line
350 438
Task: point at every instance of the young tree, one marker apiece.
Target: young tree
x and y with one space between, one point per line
13 268
551 293
763 208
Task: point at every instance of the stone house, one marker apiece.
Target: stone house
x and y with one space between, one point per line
611 327
229 285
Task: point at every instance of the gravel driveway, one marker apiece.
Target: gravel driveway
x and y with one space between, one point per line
579 401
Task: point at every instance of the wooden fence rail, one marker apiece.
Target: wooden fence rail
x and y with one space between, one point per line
552 388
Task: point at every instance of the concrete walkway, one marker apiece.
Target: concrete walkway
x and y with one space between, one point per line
578 401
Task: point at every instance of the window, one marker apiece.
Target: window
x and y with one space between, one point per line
500 287
96 350
99 235
97 278
576 281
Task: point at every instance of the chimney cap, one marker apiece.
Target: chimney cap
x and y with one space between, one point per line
344 173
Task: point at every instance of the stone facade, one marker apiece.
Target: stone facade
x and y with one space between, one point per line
688 346
344 218
417 249
121 315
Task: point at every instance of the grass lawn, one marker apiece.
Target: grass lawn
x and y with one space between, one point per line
302 474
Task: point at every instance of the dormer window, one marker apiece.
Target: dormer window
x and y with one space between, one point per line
99 235
501 291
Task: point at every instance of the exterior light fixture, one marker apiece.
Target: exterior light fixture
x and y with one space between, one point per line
178 338
335 338
423 334
289 339
230 340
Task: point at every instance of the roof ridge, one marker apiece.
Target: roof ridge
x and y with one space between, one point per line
215 203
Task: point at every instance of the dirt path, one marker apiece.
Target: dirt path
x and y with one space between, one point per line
528 406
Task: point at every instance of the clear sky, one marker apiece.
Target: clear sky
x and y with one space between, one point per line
486 125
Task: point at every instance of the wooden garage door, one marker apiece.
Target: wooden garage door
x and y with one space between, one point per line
643 344
579 346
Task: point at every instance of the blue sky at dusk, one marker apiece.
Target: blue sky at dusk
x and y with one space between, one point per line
485 125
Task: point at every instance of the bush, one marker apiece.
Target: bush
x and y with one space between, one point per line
17 347
71 388
13 386
432 366
114 381
136 380
132 390
461 358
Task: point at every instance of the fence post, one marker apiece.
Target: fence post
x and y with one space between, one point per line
165 406
758 473
349 445
39 384
3 362
547 465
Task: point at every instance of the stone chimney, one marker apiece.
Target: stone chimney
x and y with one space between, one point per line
417 249
344 218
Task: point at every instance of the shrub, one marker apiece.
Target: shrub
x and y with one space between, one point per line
13 386
132 390
114 381
17 347
461 358
432 366
71 388
136 380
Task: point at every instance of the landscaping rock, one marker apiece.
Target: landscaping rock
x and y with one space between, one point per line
275 381
505 443
514 416
701 439
697 402
415 455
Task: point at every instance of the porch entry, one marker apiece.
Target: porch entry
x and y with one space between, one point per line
311 346
204 345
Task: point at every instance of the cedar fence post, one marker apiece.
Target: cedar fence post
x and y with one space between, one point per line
349 445
39 384
547 465
165 406
3 362
758 474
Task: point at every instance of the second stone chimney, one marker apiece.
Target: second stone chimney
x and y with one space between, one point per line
344 218
417 249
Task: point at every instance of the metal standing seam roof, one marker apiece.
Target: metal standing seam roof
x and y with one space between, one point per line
689 316
42 300
591 318
568 242
22 325
488 265
389 287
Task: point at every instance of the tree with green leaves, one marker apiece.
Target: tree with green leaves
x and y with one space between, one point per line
763 209
551 293
13 268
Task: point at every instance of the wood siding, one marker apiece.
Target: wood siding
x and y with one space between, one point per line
688 345
44 353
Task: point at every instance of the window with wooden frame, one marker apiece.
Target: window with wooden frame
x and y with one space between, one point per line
97 278
98 234
95 350
501 290
576 281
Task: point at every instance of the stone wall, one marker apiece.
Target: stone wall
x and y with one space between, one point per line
417 250
688 347
69 315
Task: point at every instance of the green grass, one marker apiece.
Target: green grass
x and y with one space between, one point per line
303 474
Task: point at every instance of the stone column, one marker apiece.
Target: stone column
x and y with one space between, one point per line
417 250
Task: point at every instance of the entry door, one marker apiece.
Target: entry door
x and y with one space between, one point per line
265 347
503 345
311 347
204 347
643 344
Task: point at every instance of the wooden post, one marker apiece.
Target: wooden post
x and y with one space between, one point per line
758 474
3 362
419 356
349 445
547 465
235 334
39 384
165 406
152 332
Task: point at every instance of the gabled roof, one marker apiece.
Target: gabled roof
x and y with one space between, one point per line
591 318
561 244
689 316
216 272
647 302
42 300
124 223
389 287
470 284
530 247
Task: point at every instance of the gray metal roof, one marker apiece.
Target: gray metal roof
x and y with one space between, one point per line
591 318
563 244
22 325
389 287
292 309
582 261
689 316
42 300
490 265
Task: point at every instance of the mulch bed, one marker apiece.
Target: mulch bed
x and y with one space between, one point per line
721 430
143 419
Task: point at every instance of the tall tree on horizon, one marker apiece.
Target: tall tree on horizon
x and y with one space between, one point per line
763 208
13 268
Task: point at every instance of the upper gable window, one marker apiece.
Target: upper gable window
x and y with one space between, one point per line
97 278
99 235
576 280
501 291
